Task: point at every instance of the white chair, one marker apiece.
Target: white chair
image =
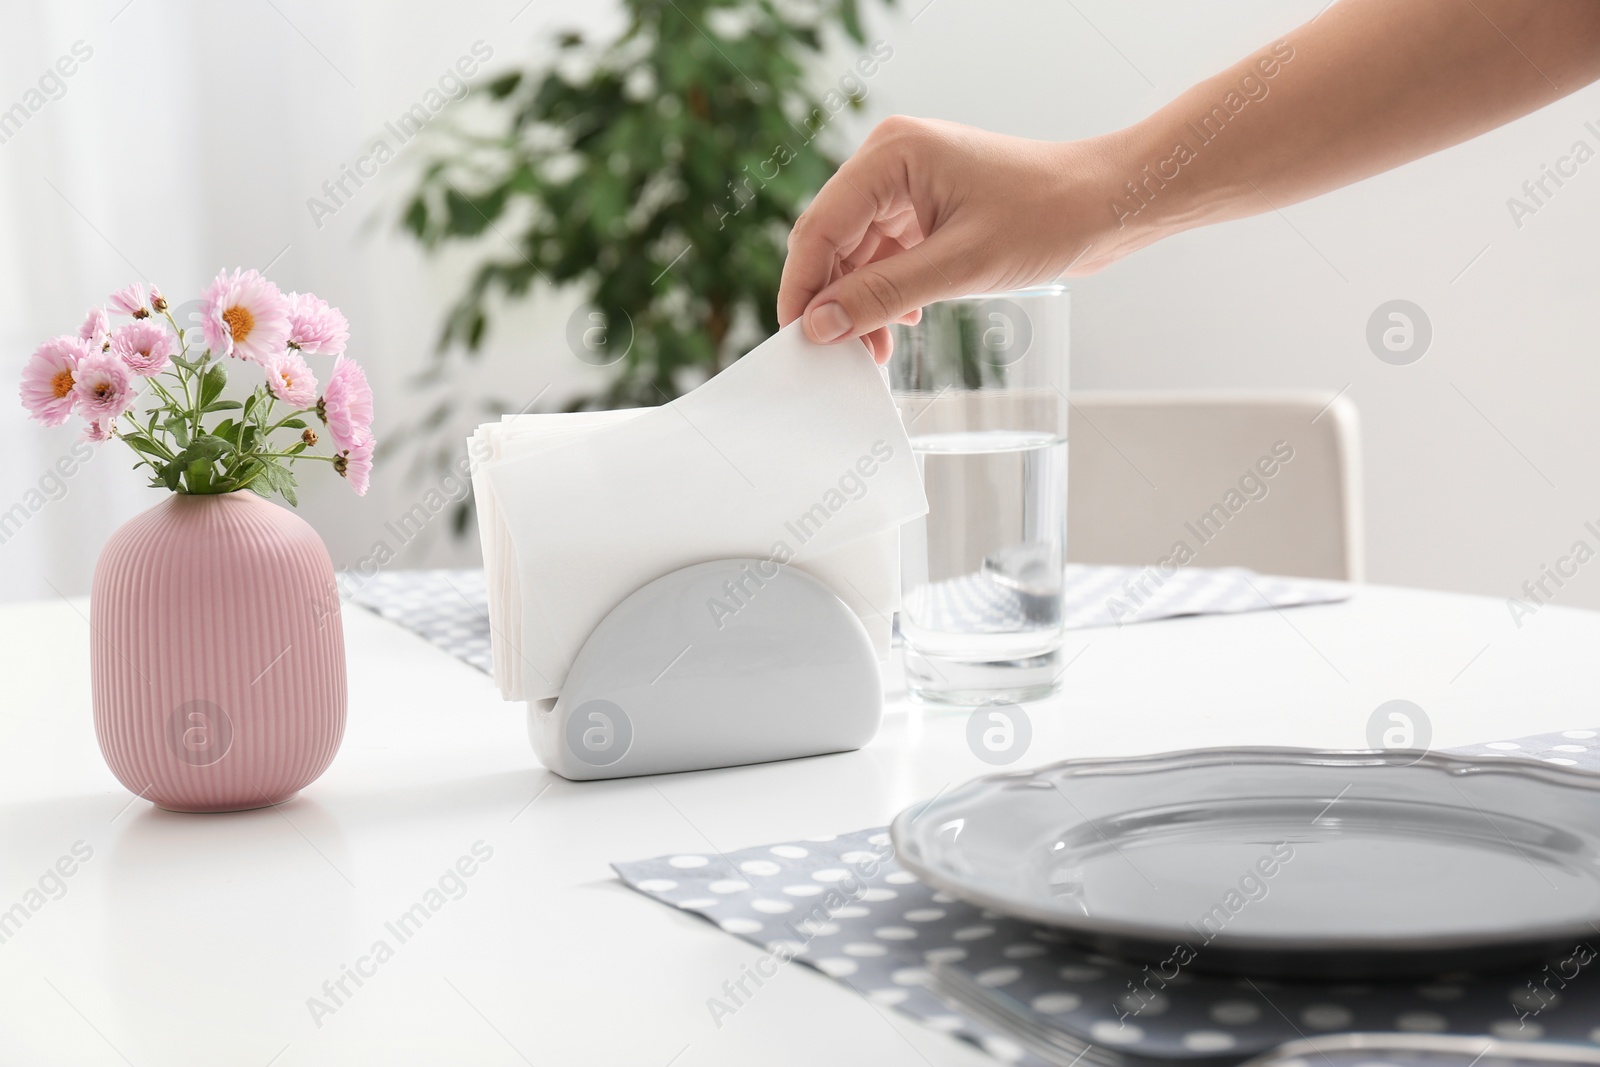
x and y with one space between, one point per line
1265 480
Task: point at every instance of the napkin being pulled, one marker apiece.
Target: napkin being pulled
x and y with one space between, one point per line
795 454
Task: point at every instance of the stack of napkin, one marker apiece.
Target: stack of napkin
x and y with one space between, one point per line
795 453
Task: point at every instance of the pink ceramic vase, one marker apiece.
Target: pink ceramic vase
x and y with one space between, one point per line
218 654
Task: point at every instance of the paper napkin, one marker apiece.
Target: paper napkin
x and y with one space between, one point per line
795 453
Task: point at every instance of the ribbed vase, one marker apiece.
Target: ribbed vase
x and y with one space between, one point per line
218 654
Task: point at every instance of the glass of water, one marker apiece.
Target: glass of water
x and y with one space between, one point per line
981 383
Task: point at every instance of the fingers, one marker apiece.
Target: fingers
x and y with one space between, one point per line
826 234
884 291
880 343
864 212
856 262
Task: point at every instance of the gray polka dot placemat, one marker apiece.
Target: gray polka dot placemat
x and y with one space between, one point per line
450 608
1112 596
1570 748
844 907
1095 595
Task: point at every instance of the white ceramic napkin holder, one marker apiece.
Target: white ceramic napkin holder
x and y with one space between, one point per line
717 664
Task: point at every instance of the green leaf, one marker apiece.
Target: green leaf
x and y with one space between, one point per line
416 217
250 476
252 409
197 476
211 385
472 215
220 405
170 475
208 447
280 479
228 430
850 18
504 85
294 424
141 443
178 427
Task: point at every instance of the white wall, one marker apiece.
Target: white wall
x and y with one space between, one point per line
1478 458
1456 498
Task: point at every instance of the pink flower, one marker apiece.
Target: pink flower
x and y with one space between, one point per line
48 379
145 346
290 380
356 465
346 405
97 432
157 301
104 387
96 328
244 315
130 301
315 328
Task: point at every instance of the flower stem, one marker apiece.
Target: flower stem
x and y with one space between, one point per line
293 414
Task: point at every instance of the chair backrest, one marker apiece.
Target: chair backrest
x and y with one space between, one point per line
1265 480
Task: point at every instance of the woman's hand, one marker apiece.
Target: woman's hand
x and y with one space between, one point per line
930 210
927 210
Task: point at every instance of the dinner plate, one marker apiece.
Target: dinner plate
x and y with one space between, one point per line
1279 861
1422 1050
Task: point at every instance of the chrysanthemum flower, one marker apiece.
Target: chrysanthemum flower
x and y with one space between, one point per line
96 329
346 405
316 328
97 432
356 465
104 386
243 314
145 346
290 380
130 301
49 377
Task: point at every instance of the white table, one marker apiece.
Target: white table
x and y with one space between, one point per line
198 939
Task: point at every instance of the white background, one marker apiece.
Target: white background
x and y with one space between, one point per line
194 136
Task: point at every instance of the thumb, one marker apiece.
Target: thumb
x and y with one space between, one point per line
884 291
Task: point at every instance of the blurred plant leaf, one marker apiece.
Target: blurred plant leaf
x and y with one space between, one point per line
656 171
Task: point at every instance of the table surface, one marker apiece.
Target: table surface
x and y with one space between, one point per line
202 939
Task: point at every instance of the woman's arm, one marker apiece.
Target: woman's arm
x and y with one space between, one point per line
927 210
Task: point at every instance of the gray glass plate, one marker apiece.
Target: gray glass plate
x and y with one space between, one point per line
1422 1050
1278 861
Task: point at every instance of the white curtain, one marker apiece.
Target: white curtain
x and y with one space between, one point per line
64 216
191 139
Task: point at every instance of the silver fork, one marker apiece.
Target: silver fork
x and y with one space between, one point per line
1030 1029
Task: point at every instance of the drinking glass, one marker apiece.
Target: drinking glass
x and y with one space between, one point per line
981 384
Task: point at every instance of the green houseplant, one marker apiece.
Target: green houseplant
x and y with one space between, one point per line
658 171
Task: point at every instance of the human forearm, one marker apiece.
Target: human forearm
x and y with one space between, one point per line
1368 85
927 210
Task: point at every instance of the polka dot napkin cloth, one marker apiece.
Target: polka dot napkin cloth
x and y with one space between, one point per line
1096 595
844 907
447 608
450 608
